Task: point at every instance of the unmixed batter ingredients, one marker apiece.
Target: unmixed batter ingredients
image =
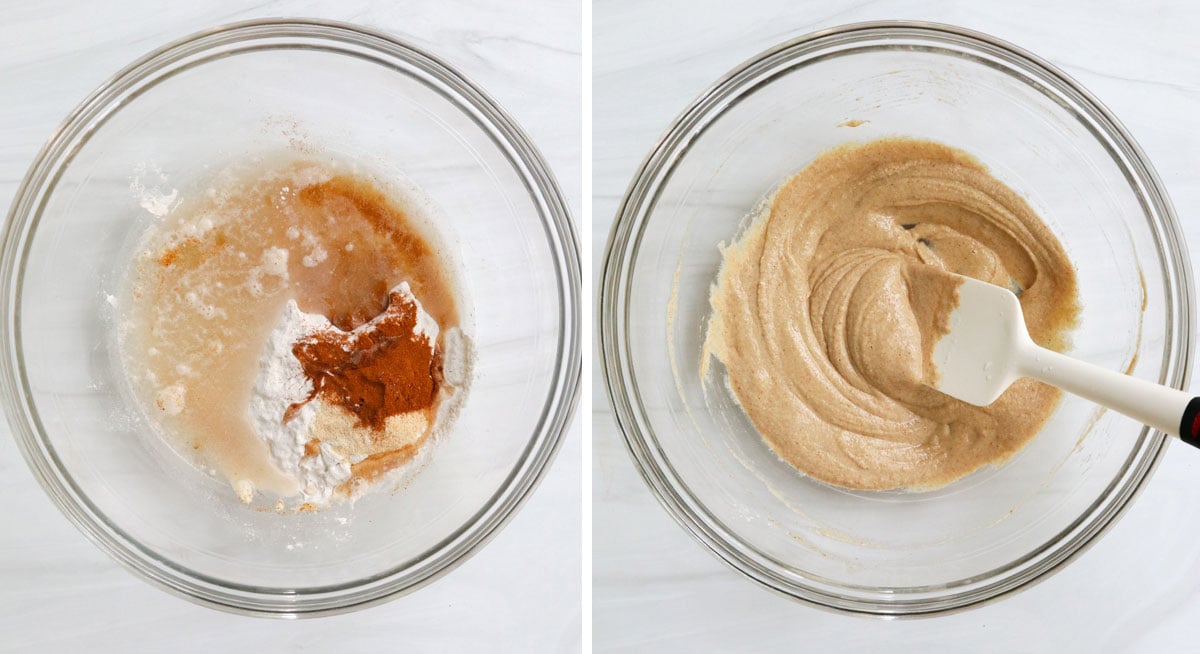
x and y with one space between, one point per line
296 330
821 313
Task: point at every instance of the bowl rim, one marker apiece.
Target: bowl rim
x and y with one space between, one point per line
625 236
342 39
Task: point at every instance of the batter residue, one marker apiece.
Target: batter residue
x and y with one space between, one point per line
820 313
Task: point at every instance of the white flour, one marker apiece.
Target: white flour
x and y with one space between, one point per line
281 383
152 196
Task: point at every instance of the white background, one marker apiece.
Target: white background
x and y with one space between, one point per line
655 589
521 592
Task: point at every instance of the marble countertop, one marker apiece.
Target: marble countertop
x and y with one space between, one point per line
655 588
59 593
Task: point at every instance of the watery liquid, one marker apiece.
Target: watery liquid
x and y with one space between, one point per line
209 282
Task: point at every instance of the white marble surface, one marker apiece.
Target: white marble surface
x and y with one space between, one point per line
1137 589
522 592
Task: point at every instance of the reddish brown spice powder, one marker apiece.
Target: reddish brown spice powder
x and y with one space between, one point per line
382 371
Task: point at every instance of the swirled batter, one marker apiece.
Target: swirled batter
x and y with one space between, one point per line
823 310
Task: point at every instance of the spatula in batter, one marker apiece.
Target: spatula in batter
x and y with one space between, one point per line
988 347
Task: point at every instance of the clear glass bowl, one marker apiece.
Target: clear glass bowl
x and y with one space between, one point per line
892 553
224 95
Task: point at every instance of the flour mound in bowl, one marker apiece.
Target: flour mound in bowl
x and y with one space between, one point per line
295 329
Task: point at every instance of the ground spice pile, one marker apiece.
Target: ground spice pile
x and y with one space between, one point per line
384 369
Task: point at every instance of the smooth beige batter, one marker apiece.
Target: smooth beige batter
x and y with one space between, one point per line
823 313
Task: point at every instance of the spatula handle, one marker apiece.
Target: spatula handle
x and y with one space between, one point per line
1167 409
1189 425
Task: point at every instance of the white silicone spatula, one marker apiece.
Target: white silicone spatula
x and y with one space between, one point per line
988 348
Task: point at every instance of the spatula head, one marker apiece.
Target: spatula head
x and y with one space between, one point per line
977 359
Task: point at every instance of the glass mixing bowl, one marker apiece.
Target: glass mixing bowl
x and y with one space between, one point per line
891 553
177 115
